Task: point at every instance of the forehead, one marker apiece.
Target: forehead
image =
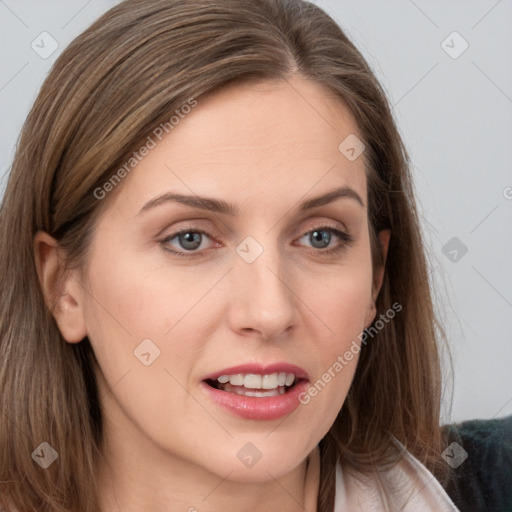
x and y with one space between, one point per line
267 140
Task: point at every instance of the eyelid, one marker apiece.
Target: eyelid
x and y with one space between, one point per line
187 229
311 225
341 232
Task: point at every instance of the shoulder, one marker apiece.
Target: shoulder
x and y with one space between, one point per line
481 477
405 485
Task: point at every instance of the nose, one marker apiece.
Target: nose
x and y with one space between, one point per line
262 299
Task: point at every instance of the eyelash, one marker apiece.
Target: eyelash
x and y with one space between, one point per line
346 241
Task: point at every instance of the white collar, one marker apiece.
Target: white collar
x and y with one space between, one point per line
409 486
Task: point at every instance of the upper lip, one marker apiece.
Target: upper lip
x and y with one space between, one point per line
260 369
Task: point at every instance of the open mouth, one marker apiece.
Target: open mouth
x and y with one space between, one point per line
255 385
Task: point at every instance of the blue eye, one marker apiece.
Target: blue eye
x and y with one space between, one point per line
189 240
321 237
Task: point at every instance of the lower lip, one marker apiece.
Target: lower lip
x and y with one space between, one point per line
255 408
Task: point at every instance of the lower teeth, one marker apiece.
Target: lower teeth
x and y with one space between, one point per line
259 393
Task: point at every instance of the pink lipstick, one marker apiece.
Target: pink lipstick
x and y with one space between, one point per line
255 391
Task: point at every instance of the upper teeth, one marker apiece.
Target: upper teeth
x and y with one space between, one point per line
253 381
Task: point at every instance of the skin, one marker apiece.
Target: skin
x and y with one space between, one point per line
267 147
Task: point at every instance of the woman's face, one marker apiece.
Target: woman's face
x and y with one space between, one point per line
271 276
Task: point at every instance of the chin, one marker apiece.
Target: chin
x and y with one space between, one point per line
260 460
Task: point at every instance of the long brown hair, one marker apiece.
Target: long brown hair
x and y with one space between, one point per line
108 90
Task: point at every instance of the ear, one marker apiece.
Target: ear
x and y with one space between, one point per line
63 294
378 277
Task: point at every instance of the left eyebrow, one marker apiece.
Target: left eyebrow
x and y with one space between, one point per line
329 197
220 206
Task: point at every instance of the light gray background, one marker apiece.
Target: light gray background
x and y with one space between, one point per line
455 115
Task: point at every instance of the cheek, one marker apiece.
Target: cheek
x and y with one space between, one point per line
134 299
329 386
342 301
144 333
343 304
128 313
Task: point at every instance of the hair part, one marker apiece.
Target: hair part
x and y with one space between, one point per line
105 94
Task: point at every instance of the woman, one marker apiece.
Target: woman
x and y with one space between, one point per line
218 297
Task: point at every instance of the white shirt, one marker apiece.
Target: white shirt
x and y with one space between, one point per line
409 486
